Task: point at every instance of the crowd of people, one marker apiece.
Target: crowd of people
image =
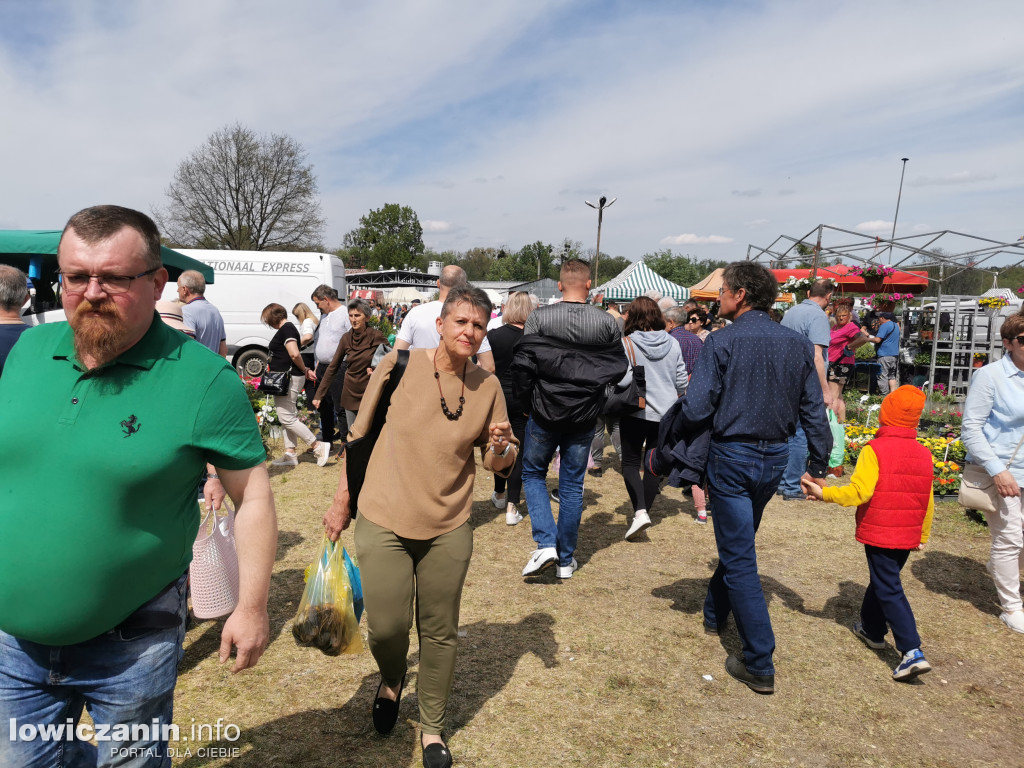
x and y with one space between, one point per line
730 402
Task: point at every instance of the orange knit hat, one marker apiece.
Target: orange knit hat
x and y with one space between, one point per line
902 407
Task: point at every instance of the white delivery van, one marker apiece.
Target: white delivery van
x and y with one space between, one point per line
246 281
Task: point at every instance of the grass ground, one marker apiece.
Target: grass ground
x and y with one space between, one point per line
612 668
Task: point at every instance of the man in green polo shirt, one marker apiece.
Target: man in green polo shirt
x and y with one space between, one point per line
108 421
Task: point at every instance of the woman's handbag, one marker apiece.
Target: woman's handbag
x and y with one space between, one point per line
358 451
629 398
275 382
213 574
978 489
379 354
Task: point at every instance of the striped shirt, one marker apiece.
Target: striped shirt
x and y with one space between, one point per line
573 322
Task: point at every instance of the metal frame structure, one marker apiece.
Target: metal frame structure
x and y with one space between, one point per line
957 252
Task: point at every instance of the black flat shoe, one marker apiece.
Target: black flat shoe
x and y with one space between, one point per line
385 711
436 755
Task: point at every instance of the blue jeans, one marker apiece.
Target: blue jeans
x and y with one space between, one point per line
123 676
540 448
797 464
885 602
742 478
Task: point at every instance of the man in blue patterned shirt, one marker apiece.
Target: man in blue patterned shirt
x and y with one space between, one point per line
753 382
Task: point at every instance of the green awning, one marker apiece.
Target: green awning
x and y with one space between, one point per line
17 246
635 280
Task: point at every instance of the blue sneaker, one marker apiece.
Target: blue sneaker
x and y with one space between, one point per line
914 663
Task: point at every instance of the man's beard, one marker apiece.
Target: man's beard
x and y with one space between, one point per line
98 339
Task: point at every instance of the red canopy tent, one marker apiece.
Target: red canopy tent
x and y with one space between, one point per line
902 281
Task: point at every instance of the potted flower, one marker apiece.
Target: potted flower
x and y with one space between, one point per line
873 275
798 286
980 358
992 304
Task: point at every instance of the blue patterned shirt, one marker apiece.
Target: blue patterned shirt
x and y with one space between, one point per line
753 380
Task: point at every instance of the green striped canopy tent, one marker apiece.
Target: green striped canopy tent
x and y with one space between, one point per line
637 279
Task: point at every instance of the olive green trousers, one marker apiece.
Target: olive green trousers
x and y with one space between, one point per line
407 578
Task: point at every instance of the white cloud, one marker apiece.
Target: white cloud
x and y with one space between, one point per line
434 227
874 226
690 239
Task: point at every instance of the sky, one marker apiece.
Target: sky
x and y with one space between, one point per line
716 124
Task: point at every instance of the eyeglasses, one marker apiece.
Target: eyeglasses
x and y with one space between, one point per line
112 284
692 320
1020 340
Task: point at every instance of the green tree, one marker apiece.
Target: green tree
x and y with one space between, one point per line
389 237
609 267
523 265
244 192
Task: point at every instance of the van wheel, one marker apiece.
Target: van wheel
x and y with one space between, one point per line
251 363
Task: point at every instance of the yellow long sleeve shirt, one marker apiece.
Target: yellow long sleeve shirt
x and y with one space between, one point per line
862 488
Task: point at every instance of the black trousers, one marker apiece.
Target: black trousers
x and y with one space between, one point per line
333 425
515 479
636 434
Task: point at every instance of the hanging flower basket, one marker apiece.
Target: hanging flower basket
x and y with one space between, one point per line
873 275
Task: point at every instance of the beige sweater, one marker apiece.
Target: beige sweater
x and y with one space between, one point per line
420 480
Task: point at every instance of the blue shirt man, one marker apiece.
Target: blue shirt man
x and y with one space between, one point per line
754 381
199 314
888 340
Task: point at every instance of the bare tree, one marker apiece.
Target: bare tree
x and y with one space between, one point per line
244 192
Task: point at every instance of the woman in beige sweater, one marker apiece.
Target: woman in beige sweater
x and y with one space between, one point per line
413 537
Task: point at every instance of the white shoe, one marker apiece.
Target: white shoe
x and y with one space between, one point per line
539 560
1014 621
322 453
498 501
287 460
513 516
641 522
566 571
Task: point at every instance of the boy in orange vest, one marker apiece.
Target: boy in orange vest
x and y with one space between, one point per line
892 490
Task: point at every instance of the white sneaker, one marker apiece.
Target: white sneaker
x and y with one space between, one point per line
566 571
1014 621
641 522
498 501
539 560
513 516
322 453
287 460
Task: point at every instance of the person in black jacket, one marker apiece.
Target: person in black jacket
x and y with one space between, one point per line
568 353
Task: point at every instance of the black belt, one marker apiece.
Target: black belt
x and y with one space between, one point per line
146 618
748 441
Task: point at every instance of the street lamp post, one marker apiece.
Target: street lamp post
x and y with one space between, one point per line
603 203
896 216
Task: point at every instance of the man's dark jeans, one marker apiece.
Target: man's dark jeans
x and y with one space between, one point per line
742 478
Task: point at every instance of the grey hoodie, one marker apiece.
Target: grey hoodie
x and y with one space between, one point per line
664 369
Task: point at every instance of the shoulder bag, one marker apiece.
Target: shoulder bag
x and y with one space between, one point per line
275 382
358 451
978 489
629 398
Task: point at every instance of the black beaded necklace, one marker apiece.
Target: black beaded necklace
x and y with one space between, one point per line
462 397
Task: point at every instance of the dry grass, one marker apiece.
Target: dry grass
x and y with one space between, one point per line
608 669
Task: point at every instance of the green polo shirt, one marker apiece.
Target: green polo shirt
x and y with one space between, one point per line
98 475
